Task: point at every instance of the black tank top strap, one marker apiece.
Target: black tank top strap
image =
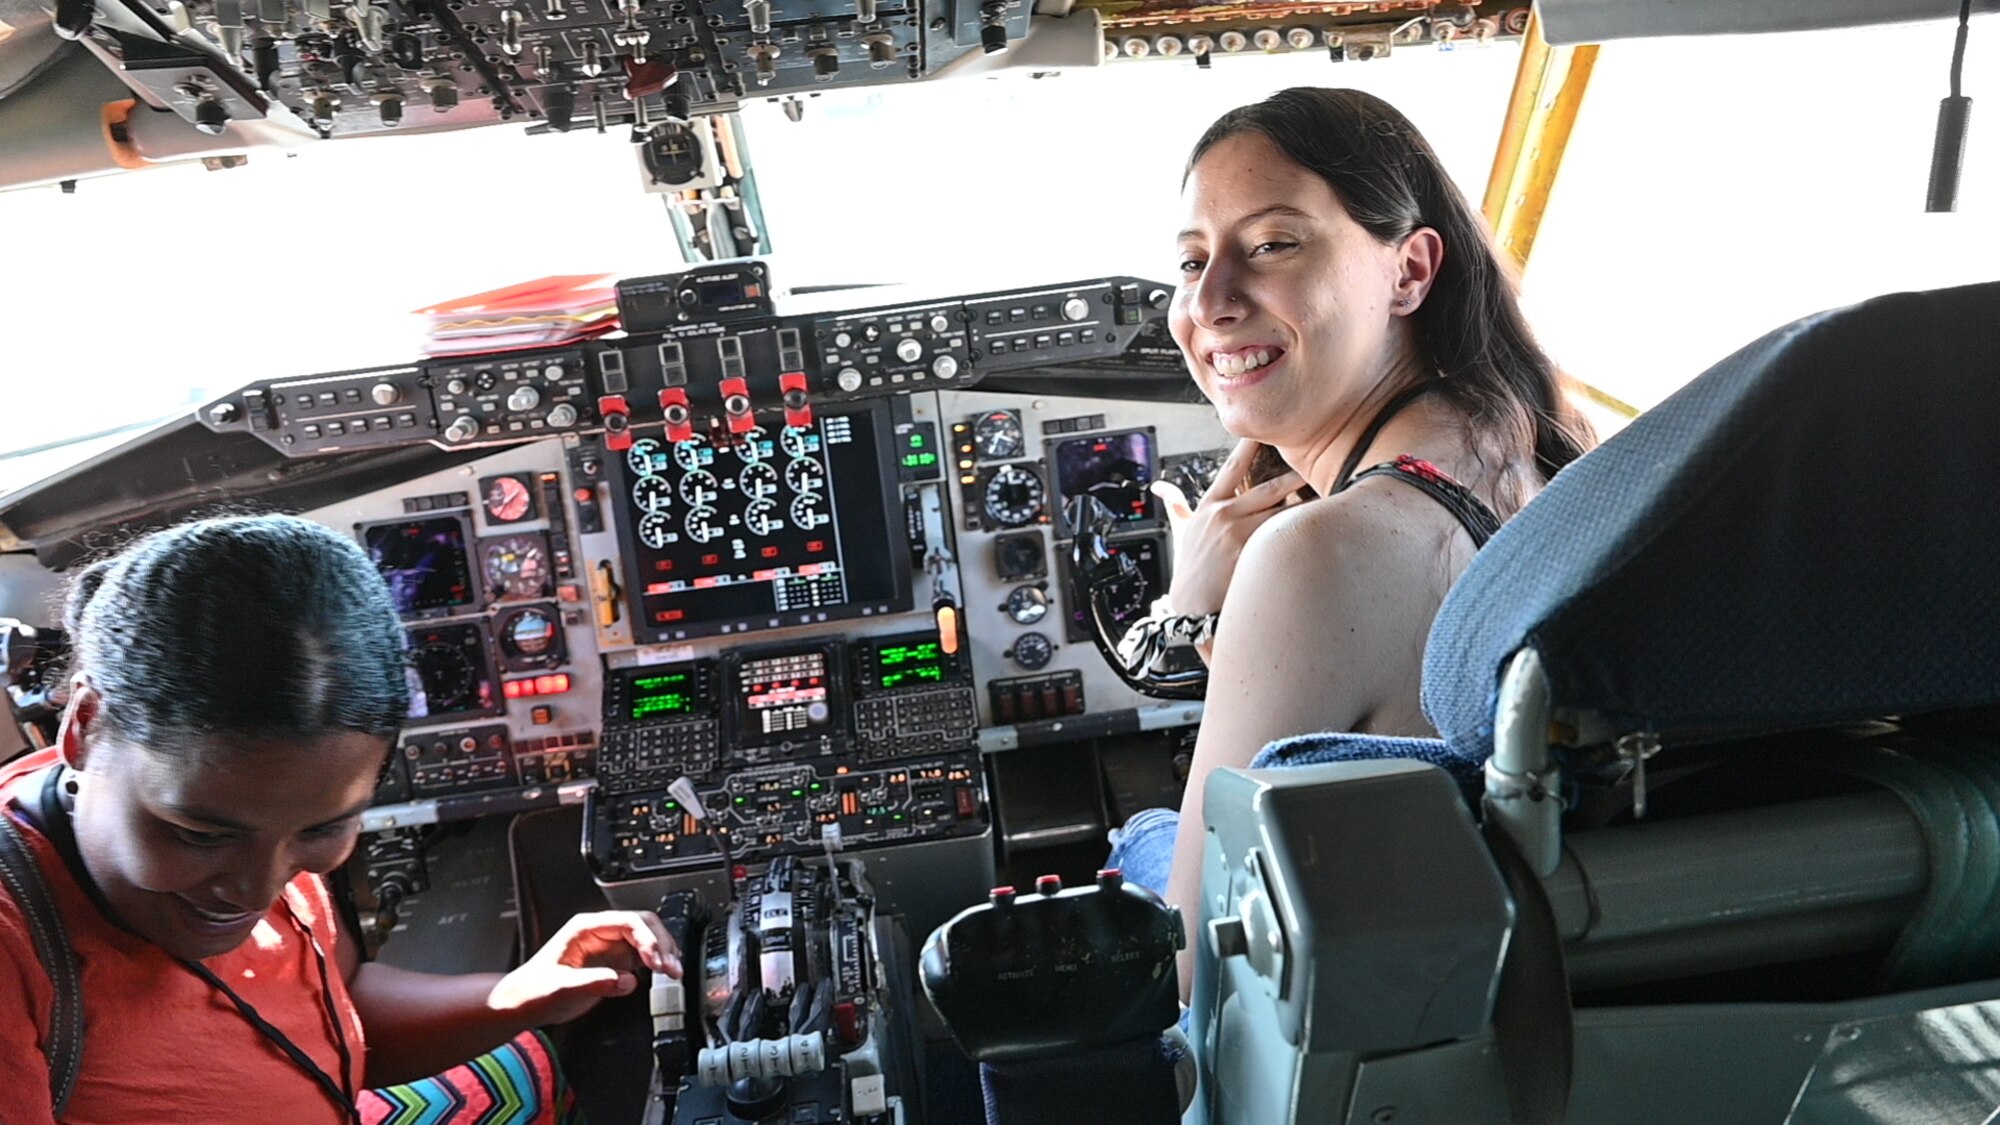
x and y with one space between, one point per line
1389 410
1470 511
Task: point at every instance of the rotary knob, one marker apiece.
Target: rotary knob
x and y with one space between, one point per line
944 367
563 415
524 399
386 394
554 372
848 380
1076 308
909 350
464 428
456 386
940 324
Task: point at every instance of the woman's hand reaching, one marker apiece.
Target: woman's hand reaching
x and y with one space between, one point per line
591 957
1209 539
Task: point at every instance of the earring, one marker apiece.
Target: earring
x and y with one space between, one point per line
1402 302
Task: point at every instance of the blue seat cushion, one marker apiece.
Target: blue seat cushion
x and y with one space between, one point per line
1806 534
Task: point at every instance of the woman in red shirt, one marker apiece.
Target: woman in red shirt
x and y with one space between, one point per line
238 686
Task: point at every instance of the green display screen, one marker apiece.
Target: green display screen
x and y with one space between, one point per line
664 694
903 665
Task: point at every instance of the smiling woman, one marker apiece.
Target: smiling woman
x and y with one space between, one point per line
239 684
1341 305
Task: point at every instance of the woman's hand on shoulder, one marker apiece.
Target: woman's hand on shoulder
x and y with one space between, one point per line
593 956
1209 539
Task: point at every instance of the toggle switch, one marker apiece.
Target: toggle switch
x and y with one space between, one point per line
617 422
736 405
798 409
680 419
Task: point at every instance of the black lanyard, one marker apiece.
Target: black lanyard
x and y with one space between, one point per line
56 822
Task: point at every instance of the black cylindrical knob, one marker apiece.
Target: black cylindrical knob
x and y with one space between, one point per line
826 64
993 38
559 104
1948 153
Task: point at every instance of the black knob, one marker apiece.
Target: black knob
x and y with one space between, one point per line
795 399
826 64
993 38
677 104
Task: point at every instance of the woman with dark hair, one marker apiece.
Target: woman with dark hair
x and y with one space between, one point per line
238 686
1341 305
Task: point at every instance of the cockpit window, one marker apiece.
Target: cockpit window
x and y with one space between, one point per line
1717 188
164 287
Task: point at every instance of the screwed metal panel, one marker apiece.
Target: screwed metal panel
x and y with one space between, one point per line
1912 1068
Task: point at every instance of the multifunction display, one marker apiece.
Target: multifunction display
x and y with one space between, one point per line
786 696
1115 468
424 563
777 526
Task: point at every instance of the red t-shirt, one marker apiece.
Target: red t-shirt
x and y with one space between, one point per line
159 1043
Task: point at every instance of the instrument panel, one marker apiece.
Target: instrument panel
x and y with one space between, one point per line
824 611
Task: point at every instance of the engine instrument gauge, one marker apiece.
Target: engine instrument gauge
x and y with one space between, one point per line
806 513
701 526
758 480
805 475
693 453
647 457
1013 496
761 517
654 529
446 673
652 494
698 488
998 436
507 499
798 441
516 566
753 445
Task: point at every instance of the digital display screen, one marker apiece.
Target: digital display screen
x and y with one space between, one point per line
664 694
449 673
778 526
787 696
718 292
900 665
1115 468
424 562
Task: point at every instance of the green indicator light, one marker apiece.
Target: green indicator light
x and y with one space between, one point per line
916 441
740 800
899 816
798 793
816 787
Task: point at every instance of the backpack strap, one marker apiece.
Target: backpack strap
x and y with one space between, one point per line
22 877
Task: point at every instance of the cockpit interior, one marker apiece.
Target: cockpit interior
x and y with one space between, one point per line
789 606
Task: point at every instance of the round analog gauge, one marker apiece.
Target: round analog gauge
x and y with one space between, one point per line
761 517
508 500
447 674
654 528
753 444
805 512
693 453
516 566
701 526
797 441
532 632
1027 604
646 457
652 494
758 480
805 475
1032 651
998 436
1013 496
698 488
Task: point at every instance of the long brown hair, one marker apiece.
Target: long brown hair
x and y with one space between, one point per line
1469 328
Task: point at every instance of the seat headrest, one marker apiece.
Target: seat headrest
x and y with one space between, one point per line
1808 533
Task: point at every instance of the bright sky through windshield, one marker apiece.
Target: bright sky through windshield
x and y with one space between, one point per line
1714 189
